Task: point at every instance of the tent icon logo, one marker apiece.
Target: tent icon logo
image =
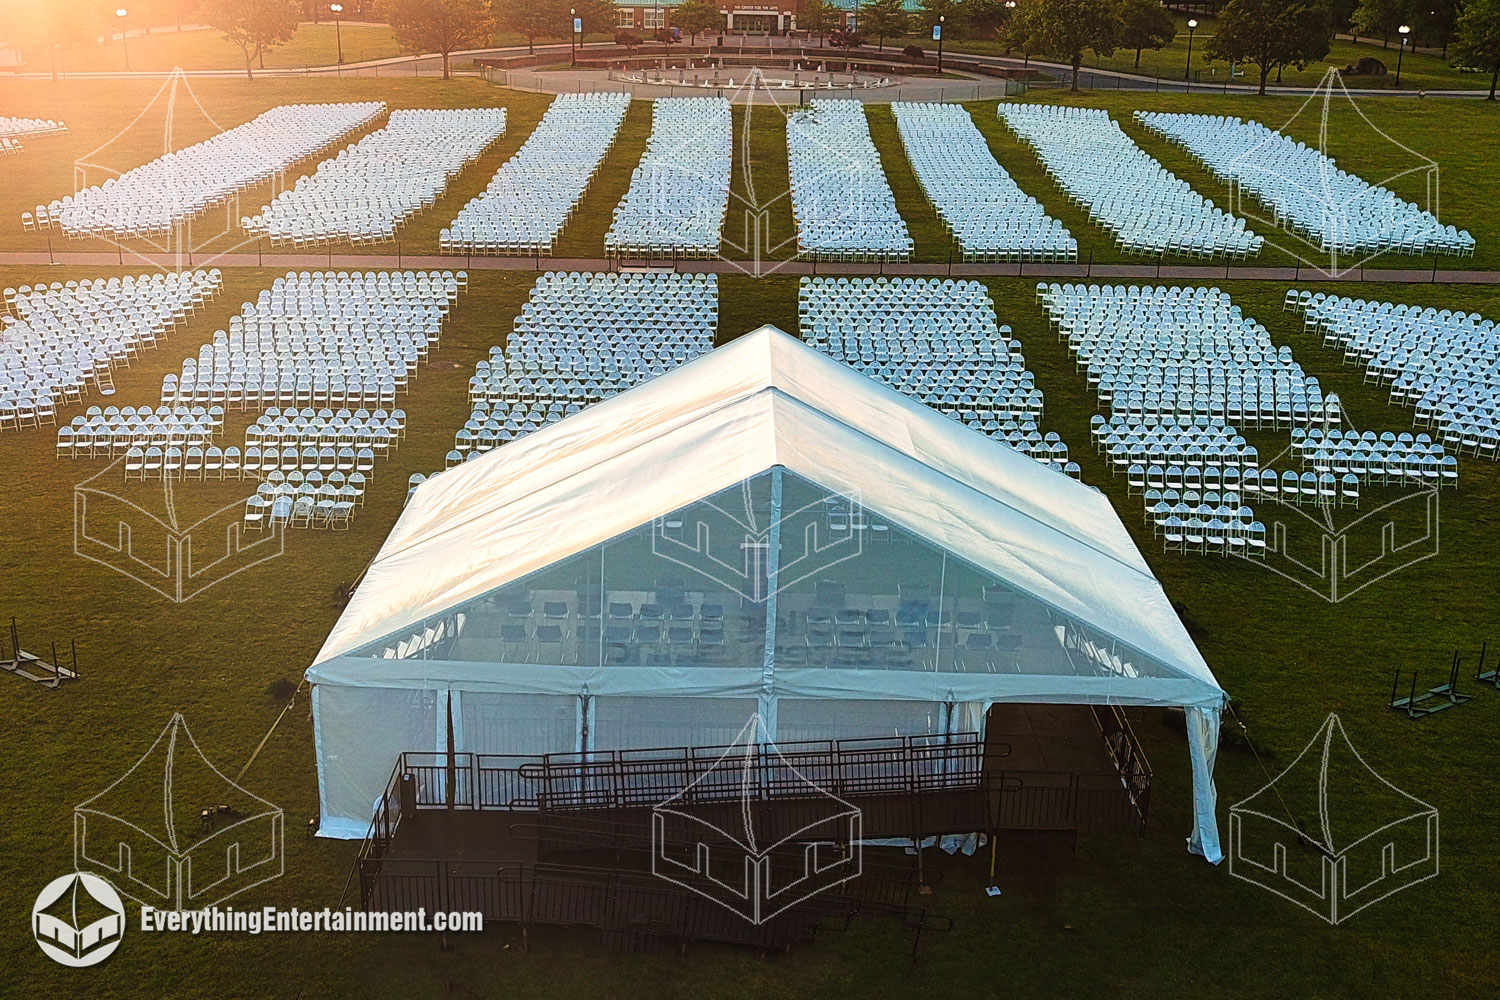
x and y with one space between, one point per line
1331 835
731 543
156 548
710 837
78 920
176 834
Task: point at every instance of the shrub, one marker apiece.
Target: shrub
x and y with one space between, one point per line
914 52
280 690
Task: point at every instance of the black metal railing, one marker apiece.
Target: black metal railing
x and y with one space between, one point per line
919 768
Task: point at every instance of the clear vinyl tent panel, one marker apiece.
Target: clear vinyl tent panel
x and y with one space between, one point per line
660 637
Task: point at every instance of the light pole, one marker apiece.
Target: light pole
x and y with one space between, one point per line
338 27
1405 30
120 12
573 35
1010 12
941 19
1187 70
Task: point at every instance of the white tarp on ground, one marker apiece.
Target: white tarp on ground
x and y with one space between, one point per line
765 401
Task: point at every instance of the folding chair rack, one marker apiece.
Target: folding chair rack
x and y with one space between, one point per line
1417 706
16 660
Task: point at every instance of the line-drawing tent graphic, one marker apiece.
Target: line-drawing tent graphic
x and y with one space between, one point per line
156 549
1248 204
144 832
735 862
729 544
1312 548
1362 840
176 99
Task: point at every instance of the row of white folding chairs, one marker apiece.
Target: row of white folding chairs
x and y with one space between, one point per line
1214 536
679 192
240 396
1148 208
67 337
15 126
364 194
297 512
167 191
532 195
989 215
841 201
1307 188
1154 482
22 411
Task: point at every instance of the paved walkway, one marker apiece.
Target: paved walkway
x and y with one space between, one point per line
1149 272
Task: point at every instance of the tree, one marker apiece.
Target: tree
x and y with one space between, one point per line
598 16
529 18
955 15
819 17
31 29
1145 24
841 38
884 19
1380 18
1477 41
1065 29
254 25
1271 34
443 26
987 18
697 16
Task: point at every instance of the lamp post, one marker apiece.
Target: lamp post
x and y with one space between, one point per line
573 35
338 27
1405 30
1010 11
121 12
1187 70
941 19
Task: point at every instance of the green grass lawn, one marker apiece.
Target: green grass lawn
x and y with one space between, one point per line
1127 916
166 48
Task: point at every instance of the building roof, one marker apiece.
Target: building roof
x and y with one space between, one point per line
766 401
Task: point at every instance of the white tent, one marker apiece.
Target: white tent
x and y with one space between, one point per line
657 568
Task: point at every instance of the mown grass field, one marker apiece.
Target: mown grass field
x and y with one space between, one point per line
206 48
1126 917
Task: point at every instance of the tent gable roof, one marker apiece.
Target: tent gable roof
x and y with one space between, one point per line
763 401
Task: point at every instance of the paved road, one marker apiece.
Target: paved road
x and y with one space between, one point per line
1145 271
